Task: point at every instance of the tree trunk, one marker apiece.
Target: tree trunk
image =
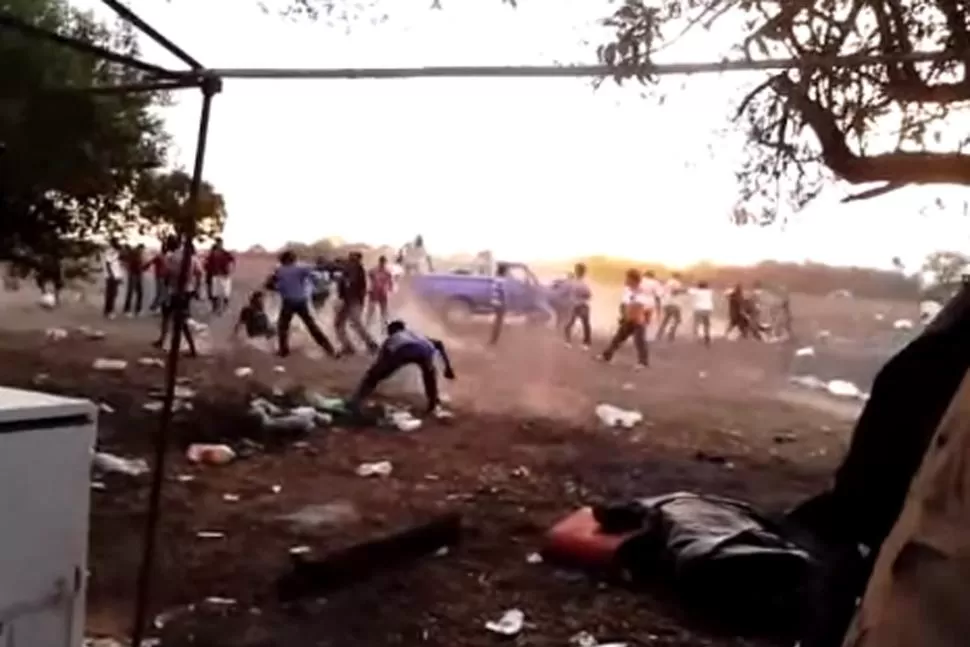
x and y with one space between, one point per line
919 592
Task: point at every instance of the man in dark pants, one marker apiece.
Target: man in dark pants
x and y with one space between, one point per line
113 276
499 302
579 297
134 288
403 347
352 291
175 301
292 281
635 312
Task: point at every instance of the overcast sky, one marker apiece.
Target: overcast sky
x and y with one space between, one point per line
528 168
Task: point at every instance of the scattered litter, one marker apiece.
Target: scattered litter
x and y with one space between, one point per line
184 478
301 550
243 371
112 464
335 513
222 602
442 552
510 624
879 316
210 534
103 364
183 392
533 558
91 333
808 381
153 406
444 398
785 438
230 498
843 389
151 361
903 324
627 386
824 334
403 420
583 639
380 468
47 301
441 413
210 454
104 407
56 334
279 369
99 486
702 375
196 326
276 489
275 418
807 351
612 416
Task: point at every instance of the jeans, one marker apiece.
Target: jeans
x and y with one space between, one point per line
349 314
498 323
300 309
111 289
626 330
670 322
580 313
387 364
134 294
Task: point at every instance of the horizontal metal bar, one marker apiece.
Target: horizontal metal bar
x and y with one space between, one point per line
154 34
157 86
557 71
14 23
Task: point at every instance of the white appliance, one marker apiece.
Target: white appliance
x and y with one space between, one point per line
45 473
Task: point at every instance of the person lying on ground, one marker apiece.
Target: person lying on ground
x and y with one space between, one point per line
401 348
254 319
292 280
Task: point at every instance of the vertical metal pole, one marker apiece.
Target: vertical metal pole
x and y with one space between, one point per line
211 86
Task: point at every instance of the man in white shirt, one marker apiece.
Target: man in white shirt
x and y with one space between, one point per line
674 297
702 304
653 289
114 276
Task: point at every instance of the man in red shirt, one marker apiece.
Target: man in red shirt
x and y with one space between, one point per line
218 269
380 282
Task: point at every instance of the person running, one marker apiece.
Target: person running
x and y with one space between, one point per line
702 305
499 302
219 265
352 291
135 282
254 319
401 348
578 296
674 295
291 281
114 276
635 313
176 301
379 285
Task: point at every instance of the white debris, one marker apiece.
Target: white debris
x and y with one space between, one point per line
879 316
55 334
47 300
627 386
444 398
153 406
104 407
279 369
612 416
243 371
110 463
104 364
583 639
440 413
843 389
380 468
807 351
210 454
808 381
403 421
903 324
533 558
824 334
442 552
510 624
91 333
184 478
98 486
276 489
230 498
300 550
210 534
151 361
196 326
221 602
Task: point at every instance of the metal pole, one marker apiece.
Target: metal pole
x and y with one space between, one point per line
12 22
211 87
152 33
566 71
156 86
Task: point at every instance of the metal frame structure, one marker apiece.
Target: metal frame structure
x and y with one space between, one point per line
210 83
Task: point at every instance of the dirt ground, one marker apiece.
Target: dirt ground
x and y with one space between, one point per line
524 449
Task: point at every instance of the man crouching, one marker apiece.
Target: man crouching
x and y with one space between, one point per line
403 347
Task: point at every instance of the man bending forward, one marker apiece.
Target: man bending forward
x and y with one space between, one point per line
403 347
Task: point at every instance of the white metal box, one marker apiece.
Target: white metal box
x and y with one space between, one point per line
45 472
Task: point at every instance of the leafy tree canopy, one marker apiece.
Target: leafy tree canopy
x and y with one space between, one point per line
162 201
75 166
946 267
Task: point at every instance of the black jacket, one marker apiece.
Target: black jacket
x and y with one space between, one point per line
352 287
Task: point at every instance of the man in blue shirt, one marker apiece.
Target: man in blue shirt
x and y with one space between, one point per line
291 280
403 347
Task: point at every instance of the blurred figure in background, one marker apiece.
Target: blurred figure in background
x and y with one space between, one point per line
114 276
176 302
219 265
737 319
674 304
702 305
254 319
135 266
499 302
579 296
414 257
379 286
635 311
352 291
326 273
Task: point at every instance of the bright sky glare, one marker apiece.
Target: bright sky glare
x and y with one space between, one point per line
532 169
